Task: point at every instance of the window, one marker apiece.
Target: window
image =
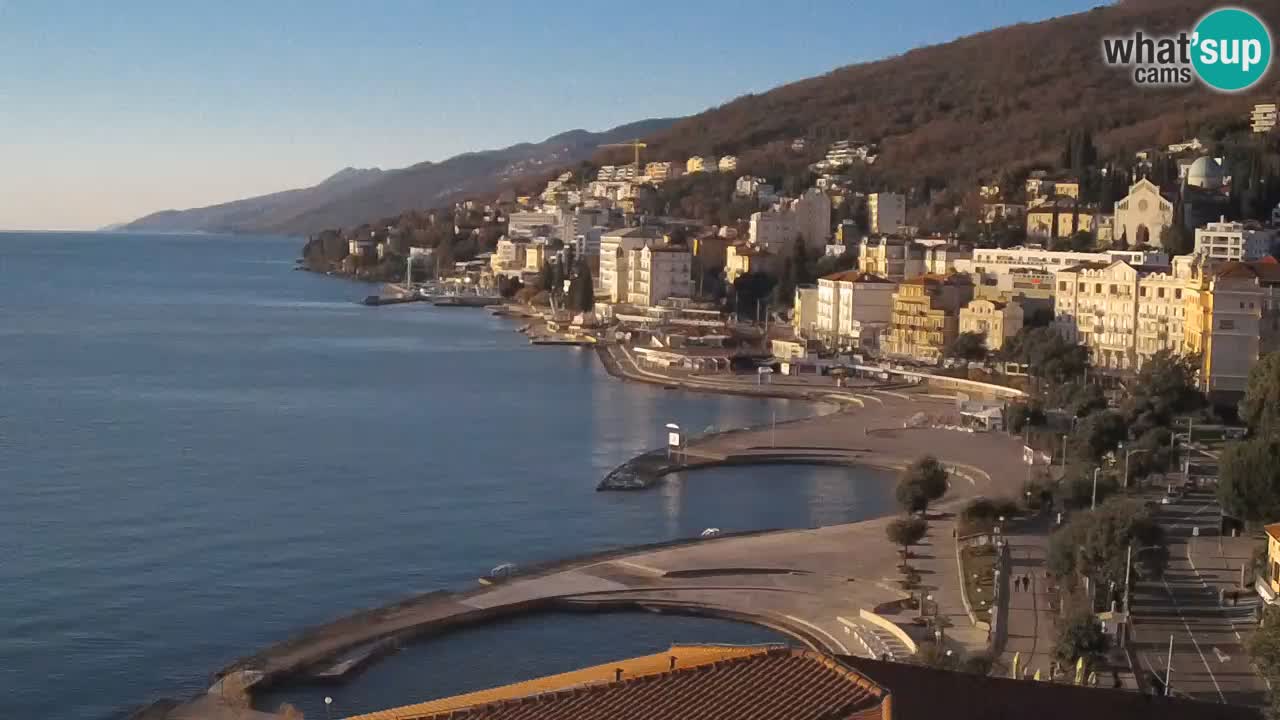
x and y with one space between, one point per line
1080 287
1097 288
1062 285
1142 292
1227 325
1160 292
1113 289
1177 294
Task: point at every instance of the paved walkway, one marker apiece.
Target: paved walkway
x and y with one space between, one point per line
1030 619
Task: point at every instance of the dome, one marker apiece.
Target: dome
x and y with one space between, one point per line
1206 173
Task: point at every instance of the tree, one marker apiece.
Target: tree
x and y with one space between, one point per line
546 278
920 483
1176 240
1080 636
581 289
1165 387
1264 644
1096 435
1249 479
970 346
1260 408
906 532
1050 356
1096 544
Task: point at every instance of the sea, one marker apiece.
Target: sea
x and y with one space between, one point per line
204 450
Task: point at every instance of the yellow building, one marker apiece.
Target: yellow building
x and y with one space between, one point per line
1232 319
1268 585
698 163
926 316
998 321
1060 218
741 258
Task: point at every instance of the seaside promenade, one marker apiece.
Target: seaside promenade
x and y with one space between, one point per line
835 588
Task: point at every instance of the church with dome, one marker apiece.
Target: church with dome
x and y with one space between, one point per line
1143 214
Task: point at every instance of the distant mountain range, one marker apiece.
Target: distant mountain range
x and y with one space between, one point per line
354 195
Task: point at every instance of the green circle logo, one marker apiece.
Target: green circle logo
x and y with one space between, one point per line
1231 49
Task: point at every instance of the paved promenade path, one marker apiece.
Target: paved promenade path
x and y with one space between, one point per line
1030 628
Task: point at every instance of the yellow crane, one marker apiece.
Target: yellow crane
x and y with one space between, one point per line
634 144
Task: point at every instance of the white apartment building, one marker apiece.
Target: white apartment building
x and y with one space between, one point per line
616 173
529 224
886 212
615 254
1123 314
587 244
1222 240
657 273
728 163
1001 261
846 152
807 217
748 186
853 307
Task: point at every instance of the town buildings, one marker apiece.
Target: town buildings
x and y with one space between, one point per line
741 258
886 212
1263 117
1059 218
615 257
853 308
997 320
807 218
926 316
727 163
700 163
1222 241
658 272
804 311
1142 215
660 172
1233 318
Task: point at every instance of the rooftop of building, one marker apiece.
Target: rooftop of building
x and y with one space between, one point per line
642 231
1266 270
702 682
922 693
1273 531
936 279
855 276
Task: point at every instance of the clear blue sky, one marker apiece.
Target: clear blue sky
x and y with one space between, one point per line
110 110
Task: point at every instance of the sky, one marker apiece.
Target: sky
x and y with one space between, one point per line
112 109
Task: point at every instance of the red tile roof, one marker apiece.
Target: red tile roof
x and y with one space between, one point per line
855 276
774 683
1273 530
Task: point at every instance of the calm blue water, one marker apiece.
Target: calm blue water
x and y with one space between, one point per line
202 451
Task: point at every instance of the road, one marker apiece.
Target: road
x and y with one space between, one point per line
1209 659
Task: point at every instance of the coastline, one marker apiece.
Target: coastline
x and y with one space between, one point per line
364 636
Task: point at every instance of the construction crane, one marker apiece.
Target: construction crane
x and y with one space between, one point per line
636 145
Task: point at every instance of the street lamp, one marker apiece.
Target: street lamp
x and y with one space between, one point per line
1128 455
1094 502
327 702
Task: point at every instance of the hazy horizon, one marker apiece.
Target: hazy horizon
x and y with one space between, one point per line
112 113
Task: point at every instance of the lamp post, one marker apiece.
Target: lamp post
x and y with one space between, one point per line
1128 455
328 701
1094 502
